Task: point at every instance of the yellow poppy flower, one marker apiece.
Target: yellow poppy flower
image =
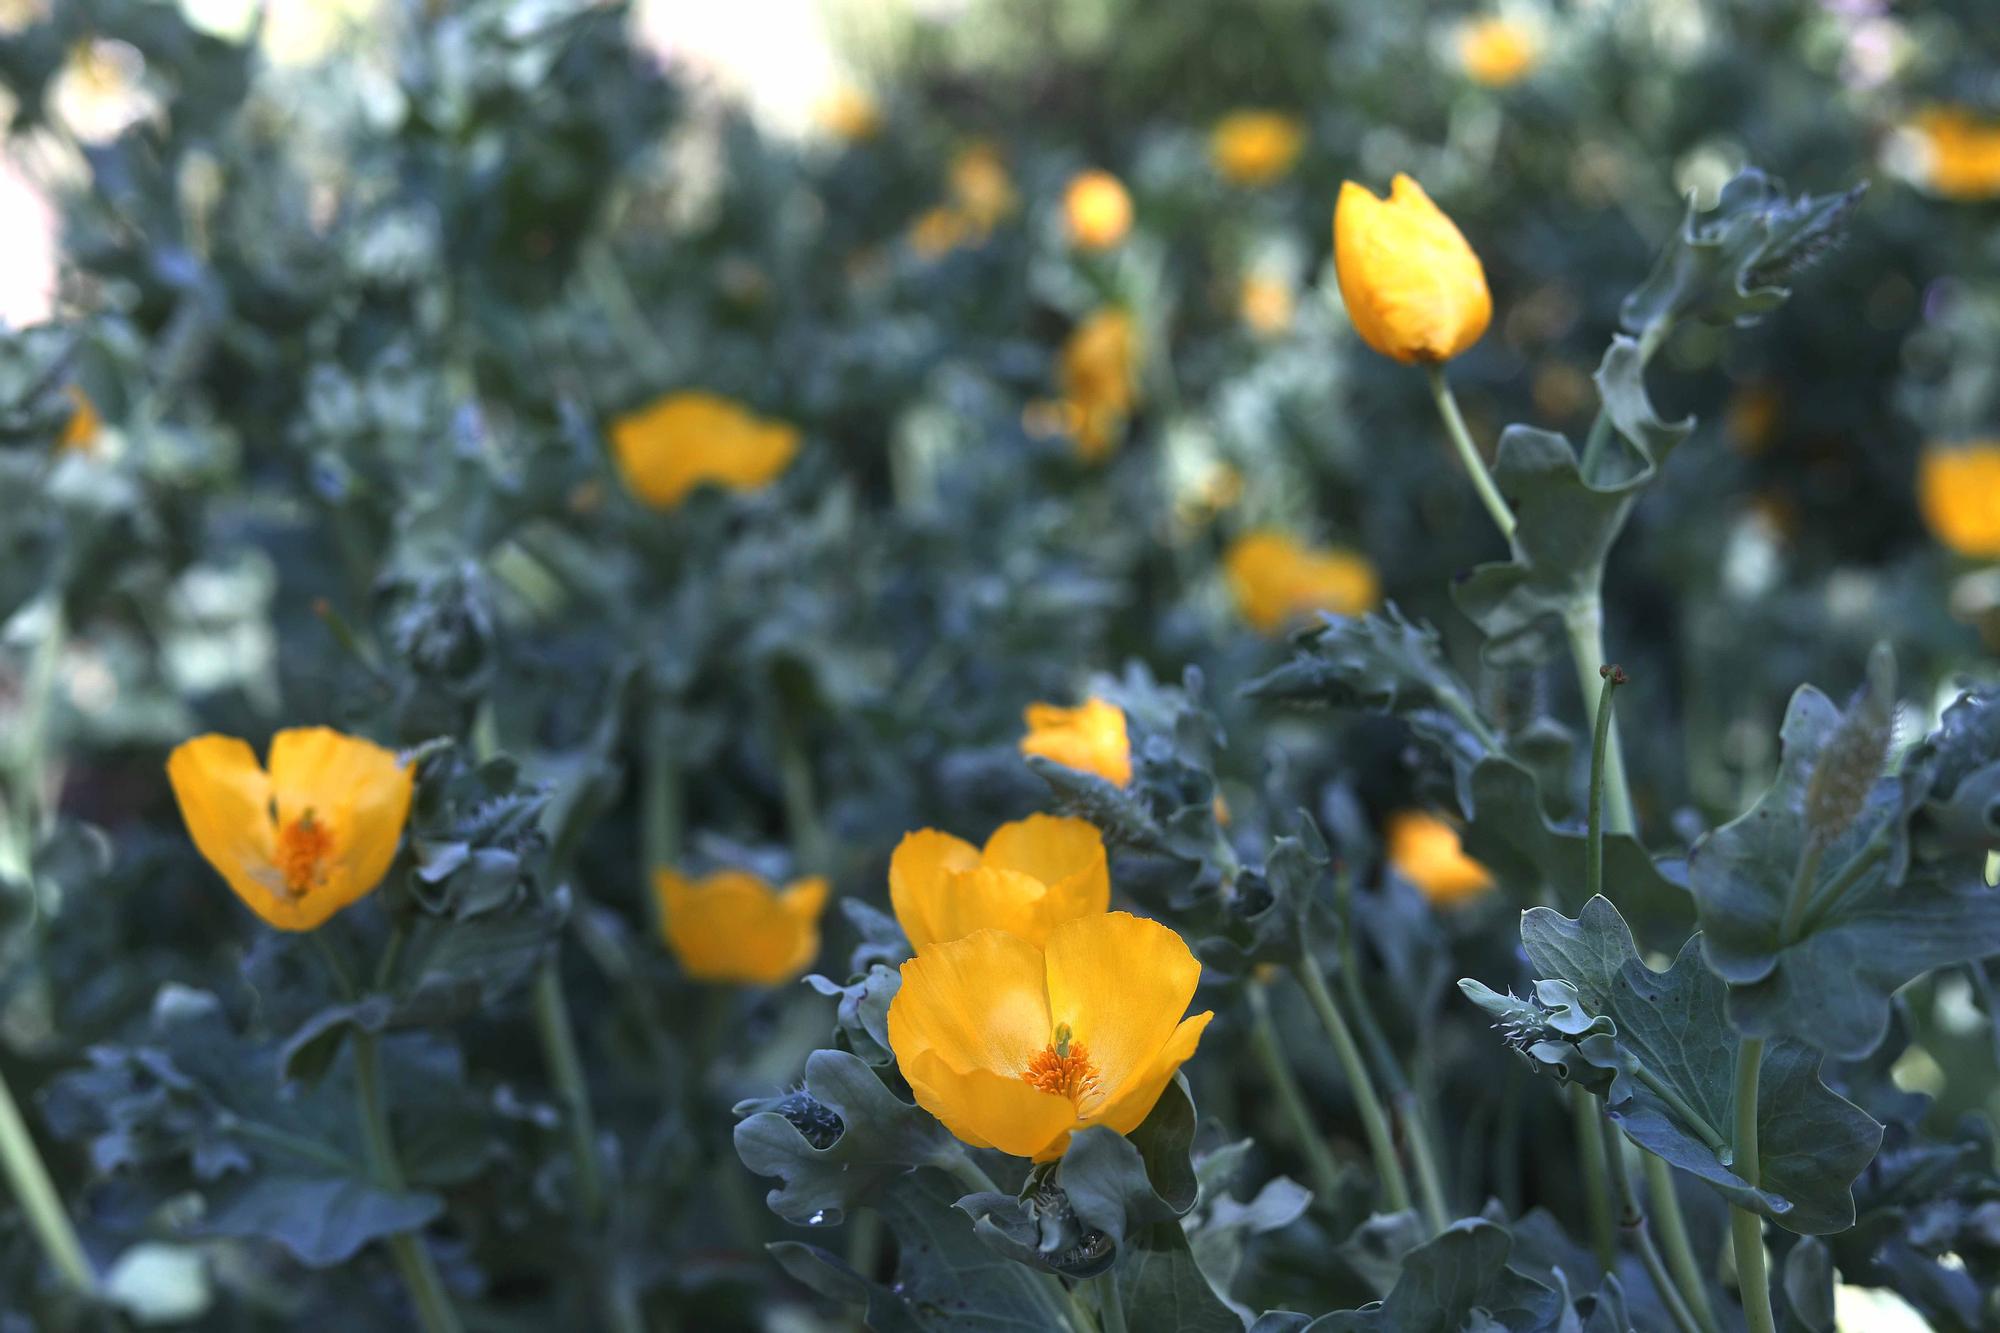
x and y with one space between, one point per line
1098 373
851 114
80 432
1426 851
1013 1045
1958 490
733 927
1264 304
1412 285
1276 578
1090 737
980 186
1097 210
1494 52
938 231
676 443
310 836
1960 152
1031 875
1255 147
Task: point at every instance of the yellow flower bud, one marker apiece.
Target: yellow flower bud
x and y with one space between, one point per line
1413 287
1255 147
1426 851
1958 490
1097 210
734 927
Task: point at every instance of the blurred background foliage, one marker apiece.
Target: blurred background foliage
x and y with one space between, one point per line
352 299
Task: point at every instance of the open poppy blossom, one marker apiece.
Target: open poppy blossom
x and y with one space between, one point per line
1032 875
1276 577
675 444
1090 737
1426 851
313 834
732 926
1014 1046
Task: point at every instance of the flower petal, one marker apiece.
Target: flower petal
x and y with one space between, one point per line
733 927
979 1002
360 790
989 1110
225 799
919 870
1122 983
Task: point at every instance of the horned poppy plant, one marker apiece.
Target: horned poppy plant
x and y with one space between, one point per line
313 833
1096 210
1098 376
1413 287
1426 851
1090 737
1255 147
1015 1046
1958 489
1276 578
1032 875
1496 52
732 926
1960 152
684 440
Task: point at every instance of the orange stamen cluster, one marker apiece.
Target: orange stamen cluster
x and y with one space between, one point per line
302 845
1063 1068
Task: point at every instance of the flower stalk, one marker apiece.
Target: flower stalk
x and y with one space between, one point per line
1746 1229
420 1275
1375 1124
28 1176
559 1051
1264 1041
1468 452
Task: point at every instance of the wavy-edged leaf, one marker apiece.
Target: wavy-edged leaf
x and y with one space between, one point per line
1458 1280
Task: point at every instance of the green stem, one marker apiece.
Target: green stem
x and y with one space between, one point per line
1381 1144
1828 896
420 1275
1586 650
1110 1309
271 1136
1688 1274
1430 1184
1468 452
1801 892
1593 864
1746 1229
1264 1041
802 820
660 815
559 1052
29 1178
1591 1169
1632 1225
1694 1119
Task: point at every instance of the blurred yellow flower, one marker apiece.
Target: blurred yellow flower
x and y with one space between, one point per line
1958 489
1277 578
1425 850
1014 1046
1097 210
310 836
850 113
1496 52
1264 303
676 443
1752 417
1255 147
1031 875
1098 378
938 231
1090 737
84 425
1961 152
1413 287
981 187
731 926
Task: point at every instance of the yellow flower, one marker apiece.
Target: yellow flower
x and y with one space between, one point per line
1276 578
938 231
733 927
1958 489
1097 210
676 443
1426 851
1098 376
981 187
1961 152
851 114
310 836
1495 52
1265 304
1412 285
1090 737
1032 875
1013 1045
80 432
1255 147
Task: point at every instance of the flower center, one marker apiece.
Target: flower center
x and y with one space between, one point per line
1063 1068
302 845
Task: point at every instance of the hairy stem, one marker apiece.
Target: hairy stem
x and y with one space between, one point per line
1632 1226
1381 1144
1586 649
1687 1271
1591 1170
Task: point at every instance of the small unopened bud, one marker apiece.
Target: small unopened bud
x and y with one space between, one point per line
1853 757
